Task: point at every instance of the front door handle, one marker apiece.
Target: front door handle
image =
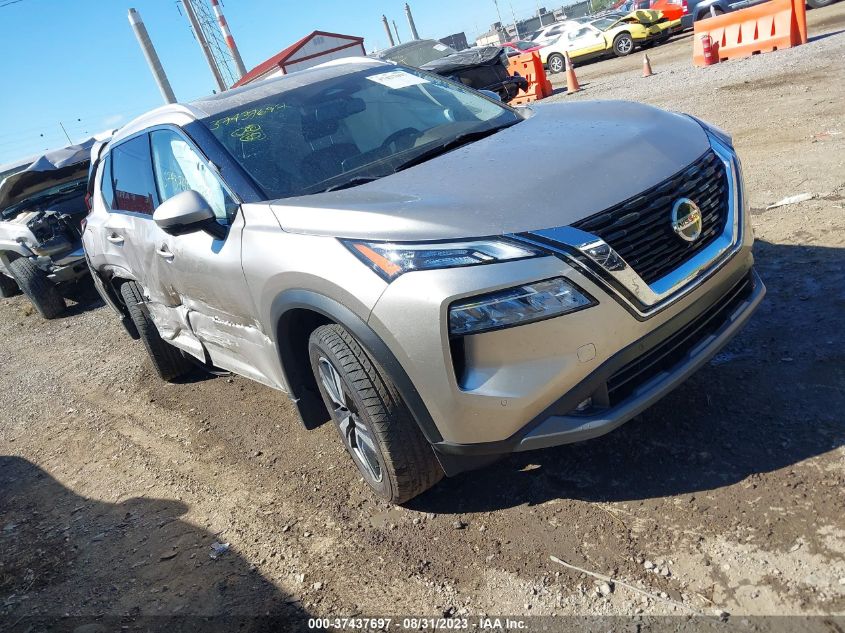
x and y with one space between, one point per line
165 253
114 238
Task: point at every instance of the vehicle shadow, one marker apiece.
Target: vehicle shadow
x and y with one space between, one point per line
84 297
74 563
771 399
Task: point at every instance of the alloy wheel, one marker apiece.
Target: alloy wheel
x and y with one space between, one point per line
356 434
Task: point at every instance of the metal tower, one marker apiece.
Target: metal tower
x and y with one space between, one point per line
225 64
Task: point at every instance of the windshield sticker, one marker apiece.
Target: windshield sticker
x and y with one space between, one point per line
246 115
251 132
397 79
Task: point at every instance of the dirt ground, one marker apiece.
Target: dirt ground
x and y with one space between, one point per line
114 485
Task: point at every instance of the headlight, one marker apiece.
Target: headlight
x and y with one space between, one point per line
391 260
517 306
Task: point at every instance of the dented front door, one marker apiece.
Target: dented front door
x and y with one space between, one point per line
205 271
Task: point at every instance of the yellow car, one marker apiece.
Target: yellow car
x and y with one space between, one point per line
615 33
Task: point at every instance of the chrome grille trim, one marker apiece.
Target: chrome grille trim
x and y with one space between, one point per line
642 298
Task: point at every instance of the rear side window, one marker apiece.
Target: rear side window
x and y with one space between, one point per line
132 176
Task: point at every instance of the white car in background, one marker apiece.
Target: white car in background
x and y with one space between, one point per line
550 33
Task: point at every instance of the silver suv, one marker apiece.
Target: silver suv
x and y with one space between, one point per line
448 279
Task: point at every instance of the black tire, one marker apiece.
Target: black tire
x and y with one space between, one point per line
375 425
34 283
818 4
556 63
167 360
623 45
8 287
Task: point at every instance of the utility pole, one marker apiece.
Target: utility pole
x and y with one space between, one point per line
411 24
67 136
206 50
513 15
501 24
387 29
152 58
398 39
227 35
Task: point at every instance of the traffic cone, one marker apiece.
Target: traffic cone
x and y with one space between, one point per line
571 80
646 66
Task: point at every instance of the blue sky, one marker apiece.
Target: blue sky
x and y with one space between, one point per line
77 61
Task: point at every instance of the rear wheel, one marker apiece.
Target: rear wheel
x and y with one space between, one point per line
35 284
556 63
623 44
167 360
375 425
8 287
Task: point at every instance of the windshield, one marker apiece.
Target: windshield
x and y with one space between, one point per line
46 196
523 45
358 126
418 54
604 23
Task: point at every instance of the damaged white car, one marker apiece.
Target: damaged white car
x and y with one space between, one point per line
42 206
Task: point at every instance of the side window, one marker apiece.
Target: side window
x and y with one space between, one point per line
106 183
178 168
132 176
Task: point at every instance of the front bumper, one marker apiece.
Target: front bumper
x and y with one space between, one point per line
656 364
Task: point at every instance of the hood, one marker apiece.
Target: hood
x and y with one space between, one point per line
643 16
47 170
567 162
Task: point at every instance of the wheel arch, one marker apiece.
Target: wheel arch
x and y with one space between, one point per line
108 283
296 313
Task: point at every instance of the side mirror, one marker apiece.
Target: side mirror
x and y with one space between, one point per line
187 212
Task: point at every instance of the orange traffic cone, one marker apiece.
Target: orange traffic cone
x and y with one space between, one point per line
571 80
646 67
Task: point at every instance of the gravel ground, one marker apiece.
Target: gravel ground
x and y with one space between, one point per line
115 486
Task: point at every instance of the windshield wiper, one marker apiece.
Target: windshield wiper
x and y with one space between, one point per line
453 143
352 182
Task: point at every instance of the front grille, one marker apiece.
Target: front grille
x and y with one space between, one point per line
640 229
674 349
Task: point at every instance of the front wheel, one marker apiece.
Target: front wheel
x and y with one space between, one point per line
556 63
623 44
818 4
167 360
374 424
37 287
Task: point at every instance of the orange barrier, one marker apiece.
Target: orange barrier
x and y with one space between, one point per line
762 28
528 65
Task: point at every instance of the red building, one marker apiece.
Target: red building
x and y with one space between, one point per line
311 50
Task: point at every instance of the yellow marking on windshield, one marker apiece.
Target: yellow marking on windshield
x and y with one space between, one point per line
246 115
251 132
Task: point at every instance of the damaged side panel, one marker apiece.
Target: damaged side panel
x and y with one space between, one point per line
199 297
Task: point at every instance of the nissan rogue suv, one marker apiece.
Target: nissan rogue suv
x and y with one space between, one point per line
356 236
